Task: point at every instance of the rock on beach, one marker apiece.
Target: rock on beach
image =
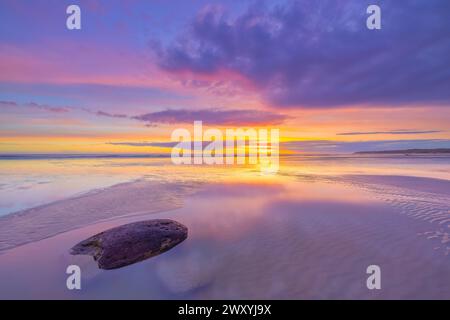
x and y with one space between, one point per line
131 243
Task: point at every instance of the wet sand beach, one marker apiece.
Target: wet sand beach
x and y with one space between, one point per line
295 235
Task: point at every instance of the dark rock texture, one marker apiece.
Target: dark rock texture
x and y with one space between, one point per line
131 243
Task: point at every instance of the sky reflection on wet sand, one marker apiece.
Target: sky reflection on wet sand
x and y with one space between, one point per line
264 237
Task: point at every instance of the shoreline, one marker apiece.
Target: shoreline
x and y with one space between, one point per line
51 219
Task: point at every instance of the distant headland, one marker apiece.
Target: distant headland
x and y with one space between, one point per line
407 151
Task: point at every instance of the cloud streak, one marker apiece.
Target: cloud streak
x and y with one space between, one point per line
172 116
144 144
328 146
400 132
35 105
213 117
325 146
110 115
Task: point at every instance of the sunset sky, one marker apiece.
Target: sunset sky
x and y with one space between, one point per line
139 69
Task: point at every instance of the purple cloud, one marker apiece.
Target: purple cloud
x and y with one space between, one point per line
213 117
320 54
110 115
8 104
58 109
47 107
35 105
208 116
145 144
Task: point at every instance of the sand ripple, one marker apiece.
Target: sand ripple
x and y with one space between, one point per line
422 199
